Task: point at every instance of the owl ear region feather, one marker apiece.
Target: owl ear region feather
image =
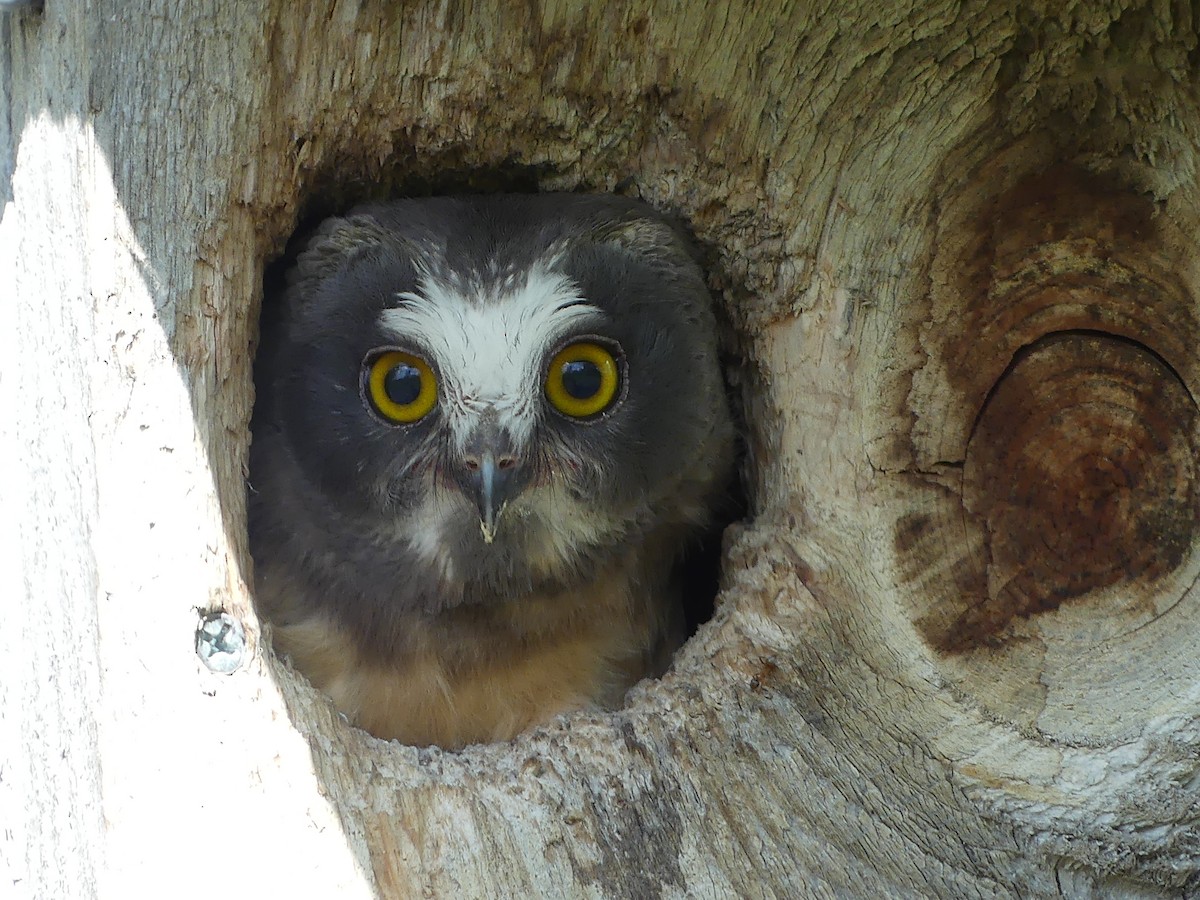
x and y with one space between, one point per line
648 238
336 242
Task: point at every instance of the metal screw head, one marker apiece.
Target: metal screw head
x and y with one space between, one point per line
221 642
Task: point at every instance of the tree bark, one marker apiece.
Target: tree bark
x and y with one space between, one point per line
956 250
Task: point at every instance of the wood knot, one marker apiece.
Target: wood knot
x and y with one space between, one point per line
1081 467
1053 423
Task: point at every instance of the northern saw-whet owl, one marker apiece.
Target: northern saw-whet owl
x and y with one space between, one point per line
486 430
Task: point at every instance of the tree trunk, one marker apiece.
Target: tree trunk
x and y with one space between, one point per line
957 250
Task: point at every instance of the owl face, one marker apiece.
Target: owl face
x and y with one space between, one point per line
498 391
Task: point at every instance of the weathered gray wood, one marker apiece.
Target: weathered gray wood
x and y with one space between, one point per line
872 711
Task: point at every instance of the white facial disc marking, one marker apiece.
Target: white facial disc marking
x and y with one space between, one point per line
489 342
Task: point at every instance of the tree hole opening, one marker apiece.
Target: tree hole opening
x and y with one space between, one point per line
318 639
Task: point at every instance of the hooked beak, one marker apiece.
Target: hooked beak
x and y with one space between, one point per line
491 474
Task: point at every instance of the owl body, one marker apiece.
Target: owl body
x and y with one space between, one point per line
486 429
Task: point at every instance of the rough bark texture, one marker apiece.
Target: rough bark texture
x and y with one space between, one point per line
955 650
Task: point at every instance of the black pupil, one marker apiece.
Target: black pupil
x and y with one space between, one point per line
402 384
581 378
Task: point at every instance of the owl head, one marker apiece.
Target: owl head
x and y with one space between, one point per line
473 397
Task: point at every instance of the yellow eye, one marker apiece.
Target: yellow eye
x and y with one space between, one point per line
583 380
400 387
